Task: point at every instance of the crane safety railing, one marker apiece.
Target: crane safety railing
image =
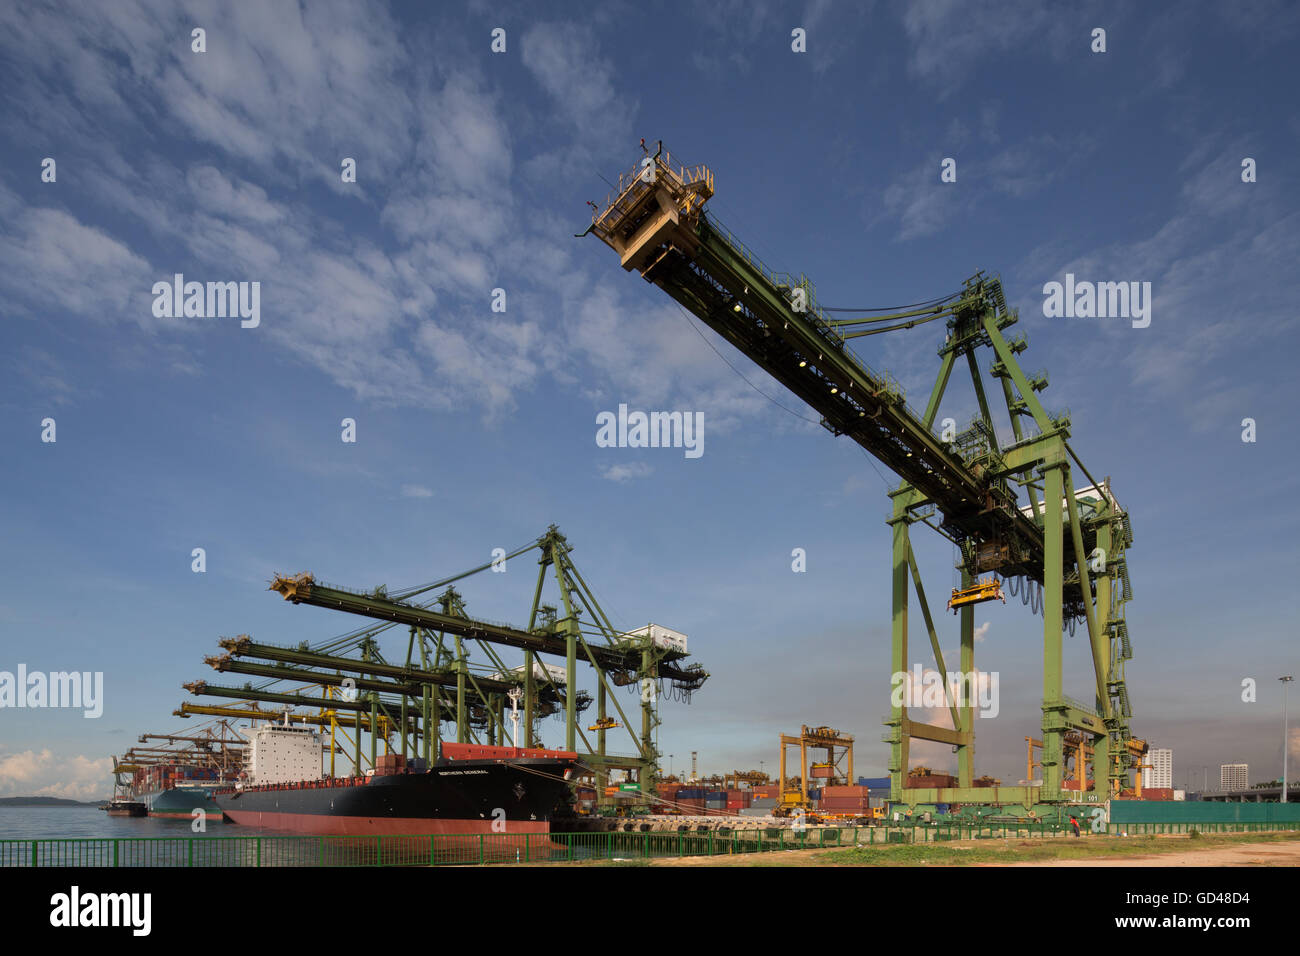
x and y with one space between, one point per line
484 848
698 175
1079 705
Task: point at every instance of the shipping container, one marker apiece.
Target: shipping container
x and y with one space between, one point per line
934 780
874 783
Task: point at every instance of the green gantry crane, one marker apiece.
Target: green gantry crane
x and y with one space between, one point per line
1011 509
436 684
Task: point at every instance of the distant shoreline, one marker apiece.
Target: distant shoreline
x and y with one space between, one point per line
48 802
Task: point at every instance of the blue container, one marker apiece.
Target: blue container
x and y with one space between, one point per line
874 783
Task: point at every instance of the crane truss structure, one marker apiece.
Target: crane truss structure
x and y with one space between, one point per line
437 684
1013 509
839 761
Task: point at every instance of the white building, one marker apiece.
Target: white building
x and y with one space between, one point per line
1233 776
659 635
283 753
1161 774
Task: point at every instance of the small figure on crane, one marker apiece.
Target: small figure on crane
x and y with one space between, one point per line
644 149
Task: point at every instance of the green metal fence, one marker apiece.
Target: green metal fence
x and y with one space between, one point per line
432 850
1204 812
1166 827
476 849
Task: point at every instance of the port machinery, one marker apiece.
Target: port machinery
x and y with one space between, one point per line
1012 509
436 682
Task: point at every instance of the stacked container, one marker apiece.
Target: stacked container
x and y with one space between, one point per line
845 800
738 799
691 800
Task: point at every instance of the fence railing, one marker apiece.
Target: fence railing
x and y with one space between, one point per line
483 848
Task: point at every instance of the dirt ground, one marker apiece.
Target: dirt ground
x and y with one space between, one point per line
1238 854
1246 854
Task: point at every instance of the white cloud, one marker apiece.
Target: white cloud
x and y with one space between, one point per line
416 491
55 262
46 774
952 38
565 60
627 471
223 195
391 302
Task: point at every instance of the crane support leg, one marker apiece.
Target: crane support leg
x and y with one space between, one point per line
1053 553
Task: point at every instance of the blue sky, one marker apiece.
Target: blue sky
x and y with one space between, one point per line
477 429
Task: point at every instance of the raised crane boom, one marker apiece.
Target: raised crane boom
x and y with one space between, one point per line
1070 544
658 225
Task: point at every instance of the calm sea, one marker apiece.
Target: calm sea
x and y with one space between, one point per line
107 843
53 823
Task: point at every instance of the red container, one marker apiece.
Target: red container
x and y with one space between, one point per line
829 792
934 780
482 752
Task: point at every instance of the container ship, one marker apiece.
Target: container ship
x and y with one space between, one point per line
469 789
177 791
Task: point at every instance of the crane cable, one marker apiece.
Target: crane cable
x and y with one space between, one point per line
890 328
892 308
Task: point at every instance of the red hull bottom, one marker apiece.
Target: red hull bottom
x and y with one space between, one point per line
330 825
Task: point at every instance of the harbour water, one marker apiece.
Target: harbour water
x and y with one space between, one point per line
77 823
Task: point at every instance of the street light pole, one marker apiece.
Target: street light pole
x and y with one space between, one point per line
1285 680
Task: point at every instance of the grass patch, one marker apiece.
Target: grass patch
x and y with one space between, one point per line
1032 851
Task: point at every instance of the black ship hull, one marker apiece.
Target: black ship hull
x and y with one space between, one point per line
464 796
